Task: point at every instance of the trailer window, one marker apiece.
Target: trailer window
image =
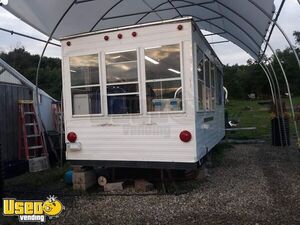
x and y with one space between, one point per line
212 84
200 79
122 83
163 78
207 84
219 88
85 84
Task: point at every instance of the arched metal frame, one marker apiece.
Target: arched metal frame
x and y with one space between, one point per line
288 90
27 36
281 115
270 83
276 94
279 28
176 8
268 44
39 65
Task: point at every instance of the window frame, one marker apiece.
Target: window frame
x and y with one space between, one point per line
141 73
212 88
138 82
144 82
196 80
220 84
85 53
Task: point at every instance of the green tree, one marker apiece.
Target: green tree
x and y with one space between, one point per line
26 64
297 36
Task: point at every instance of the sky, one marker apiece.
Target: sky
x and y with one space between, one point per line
227 52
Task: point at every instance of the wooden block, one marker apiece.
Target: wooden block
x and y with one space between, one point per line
118 186
143 186
84 180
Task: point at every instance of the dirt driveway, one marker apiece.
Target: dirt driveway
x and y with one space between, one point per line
254 184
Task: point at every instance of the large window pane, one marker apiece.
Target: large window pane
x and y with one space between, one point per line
208 99
121 67
213 99
207 72
201 89
219 88
84 70
86 100
162 62
122 83
164 96
123 104
200 79
212 76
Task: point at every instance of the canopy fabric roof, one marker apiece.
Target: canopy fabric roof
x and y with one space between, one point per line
239 21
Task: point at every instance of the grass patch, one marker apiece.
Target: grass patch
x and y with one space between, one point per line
252 114
38 179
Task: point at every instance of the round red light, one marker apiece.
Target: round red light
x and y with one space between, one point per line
185 136
180 27
69 43
120 36
106 38
134 34
72 137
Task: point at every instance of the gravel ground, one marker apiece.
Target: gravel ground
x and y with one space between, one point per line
255 184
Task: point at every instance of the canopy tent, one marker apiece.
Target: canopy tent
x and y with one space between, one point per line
240 22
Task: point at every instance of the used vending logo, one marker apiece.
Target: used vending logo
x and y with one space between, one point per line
33 211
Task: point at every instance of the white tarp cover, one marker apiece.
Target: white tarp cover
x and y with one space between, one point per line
239 21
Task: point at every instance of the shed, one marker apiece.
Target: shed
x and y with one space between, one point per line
14 87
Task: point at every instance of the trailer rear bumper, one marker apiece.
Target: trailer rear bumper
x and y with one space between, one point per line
137 164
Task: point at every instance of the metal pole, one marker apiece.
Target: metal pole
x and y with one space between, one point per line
278 103
289 94
229 33
280 29
27 36
62 119
273 25
270 83
40 60
1 176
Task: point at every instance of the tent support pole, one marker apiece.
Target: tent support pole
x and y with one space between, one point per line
40 61
111 8
278 103
289 94
279 28
269 80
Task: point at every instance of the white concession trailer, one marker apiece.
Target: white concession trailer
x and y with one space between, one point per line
143 96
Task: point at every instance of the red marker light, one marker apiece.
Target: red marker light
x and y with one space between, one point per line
69 43
179 27
106 38
134 34
185 136
120 36
72 137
